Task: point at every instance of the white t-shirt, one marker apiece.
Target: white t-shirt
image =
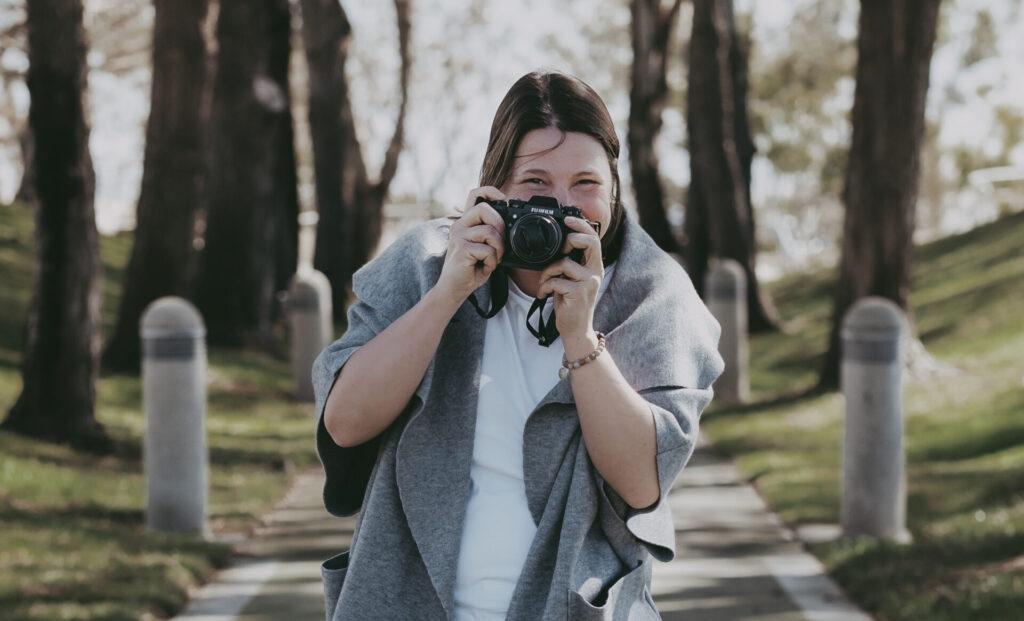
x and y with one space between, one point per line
515 375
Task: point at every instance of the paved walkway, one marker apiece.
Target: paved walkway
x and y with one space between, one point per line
734 560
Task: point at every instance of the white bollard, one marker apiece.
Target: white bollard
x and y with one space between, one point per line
174 398
308 303
874 495
725 288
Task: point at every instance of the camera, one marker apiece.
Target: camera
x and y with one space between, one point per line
535 231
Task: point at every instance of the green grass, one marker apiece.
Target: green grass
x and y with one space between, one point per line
73 544
964 434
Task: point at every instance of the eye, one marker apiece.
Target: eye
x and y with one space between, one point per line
533 181
587 182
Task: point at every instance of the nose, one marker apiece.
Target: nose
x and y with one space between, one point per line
561 193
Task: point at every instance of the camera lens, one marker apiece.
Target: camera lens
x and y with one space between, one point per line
535 239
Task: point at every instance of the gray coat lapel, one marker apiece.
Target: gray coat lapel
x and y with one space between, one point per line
436 448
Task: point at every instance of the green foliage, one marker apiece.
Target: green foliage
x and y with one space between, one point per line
73 544
789 156
832 172
800 100
964 434
969 159
984 41
1011 122
16 243
1008 129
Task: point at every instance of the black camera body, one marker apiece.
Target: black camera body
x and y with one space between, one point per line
535 231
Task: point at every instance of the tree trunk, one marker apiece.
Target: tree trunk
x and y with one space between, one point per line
894 50
250 191
59 366
349 203
326 34
719 215
163 259
26 189
652 28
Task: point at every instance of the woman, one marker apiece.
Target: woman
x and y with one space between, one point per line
504 471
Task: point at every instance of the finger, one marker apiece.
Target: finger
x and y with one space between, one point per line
588 241
489 262
485 234
487 192
483 214
580 225
488 215
559 286
479 252
582 241
566 269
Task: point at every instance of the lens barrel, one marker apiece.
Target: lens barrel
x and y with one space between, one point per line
536 239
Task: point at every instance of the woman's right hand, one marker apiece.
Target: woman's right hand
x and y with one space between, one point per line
475 246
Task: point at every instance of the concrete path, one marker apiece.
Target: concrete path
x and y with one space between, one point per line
734 560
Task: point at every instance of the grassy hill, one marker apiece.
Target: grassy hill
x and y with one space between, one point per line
964 434
72 538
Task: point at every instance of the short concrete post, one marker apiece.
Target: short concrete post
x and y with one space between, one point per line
874 496
174 398
725 287
309 307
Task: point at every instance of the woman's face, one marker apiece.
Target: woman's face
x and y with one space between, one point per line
576 172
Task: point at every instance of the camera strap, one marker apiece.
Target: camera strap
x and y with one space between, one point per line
546 333
499 293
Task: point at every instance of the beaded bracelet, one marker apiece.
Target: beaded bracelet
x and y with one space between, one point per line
575 364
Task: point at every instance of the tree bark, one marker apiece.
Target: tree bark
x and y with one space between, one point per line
59 366
894 50
349 203
719 214
326 34
163 258
652 28
26 189
251 235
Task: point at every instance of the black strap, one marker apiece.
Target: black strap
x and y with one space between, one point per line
546 333
499 293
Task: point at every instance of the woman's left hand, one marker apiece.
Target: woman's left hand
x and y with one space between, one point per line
573 285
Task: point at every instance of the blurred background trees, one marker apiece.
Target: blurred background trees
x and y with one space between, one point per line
163 258
652 25
719 213
350 205
250 197
737 112
894 51
61 356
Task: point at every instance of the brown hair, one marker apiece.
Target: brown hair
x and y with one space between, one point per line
539 100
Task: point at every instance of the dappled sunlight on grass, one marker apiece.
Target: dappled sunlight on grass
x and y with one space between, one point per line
935 578
73 543
964 434
97 566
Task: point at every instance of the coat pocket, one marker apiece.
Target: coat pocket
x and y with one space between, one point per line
627 599
333 572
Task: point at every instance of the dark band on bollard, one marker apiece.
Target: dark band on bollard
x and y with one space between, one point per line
883 348
172 347
722 290
304 302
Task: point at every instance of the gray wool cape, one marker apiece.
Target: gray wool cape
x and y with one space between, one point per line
591 555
